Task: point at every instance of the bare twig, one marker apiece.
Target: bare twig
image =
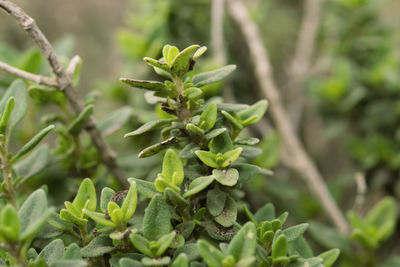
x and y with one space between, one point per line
300 162
300 63
361 191
64 84
217 30
39 79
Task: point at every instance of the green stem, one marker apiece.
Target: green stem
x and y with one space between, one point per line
7 172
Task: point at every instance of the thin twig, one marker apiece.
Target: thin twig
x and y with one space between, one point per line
301 61
64 84
300 162
39 79
361 191
217 30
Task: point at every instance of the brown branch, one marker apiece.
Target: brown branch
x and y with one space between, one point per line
300 161
39 79
64 84
300 63
217 30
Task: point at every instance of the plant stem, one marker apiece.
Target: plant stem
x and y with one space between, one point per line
7 172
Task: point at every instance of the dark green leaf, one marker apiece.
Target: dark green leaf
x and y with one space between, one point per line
212 76
157 219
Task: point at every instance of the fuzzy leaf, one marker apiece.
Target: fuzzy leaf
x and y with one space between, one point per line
99 217
68 216
164 242
146 189
32 143
208 117
215 201
33 214
227 177
279 247
212 76
52 252
210 254
157 219
79 122
265 213
106 195
229 214
383 217
329 257
181 261
294 232
141 244
175 198
172 168
17 90
5 118
10 220
149 126
231 156
214 133
99 246
149 85
198 185
207 158
183 61
129 205
243 245
156 63
154 149
86 192
253 114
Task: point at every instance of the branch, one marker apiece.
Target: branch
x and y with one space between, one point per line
300 64
300 161
64 84
39 79
217 30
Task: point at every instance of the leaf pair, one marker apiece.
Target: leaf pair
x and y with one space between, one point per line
118 215
247 116
219 161
172 172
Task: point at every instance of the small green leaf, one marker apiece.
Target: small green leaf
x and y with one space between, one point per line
182 63
156 63
210 254
227 177
157 219
214 133
79 122
192 93
146 189
181 261
198 185
68 216
33 214
52 252
86 192
212 76
329 257
195 129
383 217
221 144
115 212
165 52
231 156
172 168
10 222
294 232
17 90
149 85
208 117
105 197
156 262
99 246
32 143
154 149
72 252
243 245
231 119
215 201
141 244
253 114
129 205
175 198
200 52
99 217
279 247
164 242
149 126
172 53
5 118
265 213
229 214
207 158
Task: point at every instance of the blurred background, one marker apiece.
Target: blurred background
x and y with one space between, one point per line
350 94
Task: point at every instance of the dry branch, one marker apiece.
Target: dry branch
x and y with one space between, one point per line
64 84
300 161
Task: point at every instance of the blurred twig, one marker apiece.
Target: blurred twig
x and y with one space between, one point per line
301 61
300 161
27 75
361 191
64 84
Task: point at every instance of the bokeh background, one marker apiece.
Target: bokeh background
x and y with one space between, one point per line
349 123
